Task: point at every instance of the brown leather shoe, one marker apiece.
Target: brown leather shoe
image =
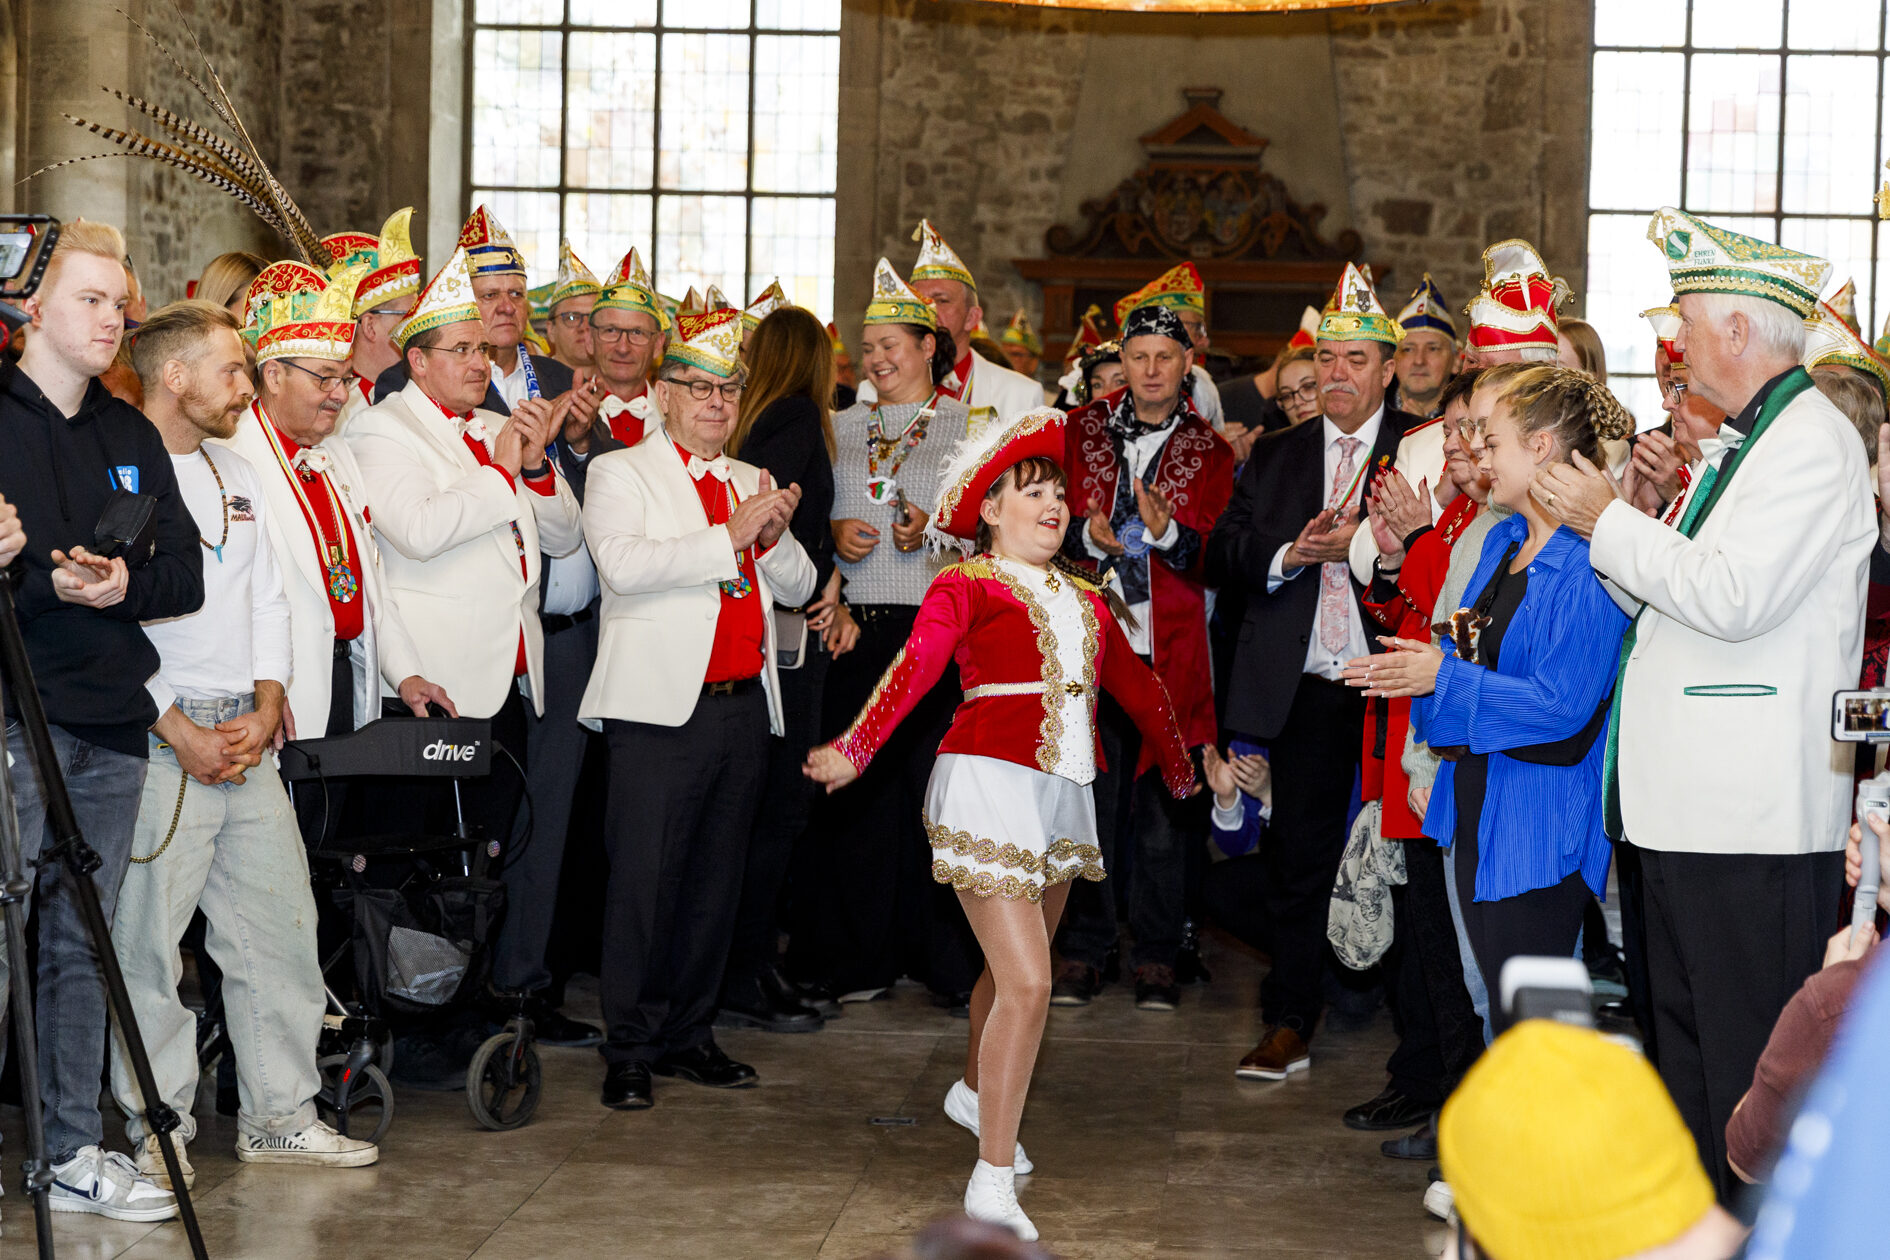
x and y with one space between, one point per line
1281 1052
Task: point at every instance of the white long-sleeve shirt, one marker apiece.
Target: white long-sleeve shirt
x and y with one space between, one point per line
241 634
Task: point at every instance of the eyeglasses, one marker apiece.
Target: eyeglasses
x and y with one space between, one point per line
327 384
390 314
1675 391
571 319
483 350
610 334
702 390
1309 392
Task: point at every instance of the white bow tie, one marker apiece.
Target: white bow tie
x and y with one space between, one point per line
313 459
717 468
475 429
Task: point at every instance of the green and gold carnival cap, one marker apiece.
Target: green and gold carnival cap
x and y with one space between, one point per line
894 302
447 299
628 289
937 260
1829 340
1705 259
1355 313
574 279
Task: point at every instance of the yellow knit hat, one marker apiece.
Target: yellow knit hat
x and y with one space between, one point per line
1563 1145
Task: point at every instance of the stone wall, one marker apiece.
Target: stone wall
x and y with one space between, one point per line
1466 122
1432 129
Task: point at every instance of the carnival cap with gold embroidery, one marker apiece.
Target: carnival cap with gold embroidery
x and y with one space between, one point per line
575 280
1179 289
1882 346
350 249
628 289
937 260
1427 310
1307 334
296 312
1844 303
1666 324
1090 333
489 248
447 299
711 341
1020 333
834 339
716 300
396 268
1702 258
671 308
691 303
772 299
538 298
1829 340
1516 307
894 302
978 460
1356 314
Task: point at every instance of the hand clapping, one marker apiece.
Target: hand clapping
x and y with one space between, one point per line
762 517
1407 668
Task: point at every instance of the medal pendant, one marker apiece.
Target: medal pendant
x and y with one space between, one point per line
881 489
738 588
1134 539
342 583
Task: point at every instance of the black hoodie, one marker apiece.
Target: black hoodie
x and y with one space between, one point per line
92 665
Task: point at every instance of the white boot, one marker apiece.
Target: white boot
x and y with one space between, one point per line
992 1197
961 1108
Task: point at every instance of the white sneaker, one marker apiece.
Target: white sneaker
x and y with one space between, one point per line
318 1145
151 1163
1440 1201
106 1183
961 1108
992 1197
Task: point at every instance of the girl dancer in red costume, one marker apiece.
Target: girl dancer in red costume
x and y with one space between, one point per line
1009 809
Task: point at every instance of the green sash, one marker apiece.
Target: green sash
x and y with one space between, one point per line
1712 485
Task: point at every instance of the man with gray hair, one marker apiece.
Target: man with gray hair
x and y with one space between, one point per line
1751 616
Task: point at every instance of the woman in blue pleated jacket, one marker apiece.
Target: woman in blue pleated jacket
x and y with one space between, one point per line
1517 703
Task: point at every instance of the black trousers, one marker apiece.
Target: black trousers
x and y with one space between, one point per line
535 858
1452 1029
1138 815
789 797
1629 885
871 911
318 805
1545 921
425 806
1315 768
1730 938
682 804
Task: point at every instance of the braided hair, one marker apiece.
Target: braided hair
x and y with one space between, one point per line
1578 410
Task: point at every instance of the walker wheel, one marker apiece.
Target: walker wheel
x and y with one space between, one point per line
370 1102
503 1081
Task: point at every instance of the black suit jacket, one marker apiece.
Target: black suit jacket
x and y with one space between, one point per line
1281 487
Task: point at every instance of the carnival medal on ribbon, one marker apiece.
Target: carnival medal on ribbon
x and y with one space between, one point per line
1134 539
881 490
343 585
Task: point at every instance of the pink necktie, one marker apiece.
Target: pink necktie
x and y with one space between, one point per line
1335 577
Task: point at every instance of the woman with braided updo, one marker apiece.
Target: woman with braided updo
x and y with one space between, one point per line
1517 700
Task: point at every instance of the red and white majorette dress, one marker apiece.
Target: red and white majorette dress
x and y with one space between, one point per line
1009 811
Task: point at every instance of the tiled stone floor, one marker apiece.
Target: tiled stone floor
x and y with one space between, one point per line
1148 1149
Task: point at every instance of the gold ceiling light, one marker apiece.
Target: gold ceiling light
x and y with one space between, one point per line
1200 6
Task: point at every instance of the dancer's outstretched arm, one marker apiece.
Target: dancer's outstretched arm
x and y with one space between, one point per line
943 618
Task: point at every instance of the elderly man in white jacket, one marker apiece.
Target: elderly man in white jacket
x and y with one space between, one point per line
692 551
1721 766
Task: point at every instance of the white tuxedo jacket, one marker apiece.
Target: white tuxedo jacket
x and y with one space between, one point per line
452 563
384 652
659 561
1725 736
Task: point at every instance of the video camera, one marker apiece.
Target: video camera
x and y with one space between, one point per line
26 246
1863 717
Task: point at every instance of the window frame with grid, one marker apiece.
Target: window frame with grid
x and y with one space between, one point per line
815 286
1872 274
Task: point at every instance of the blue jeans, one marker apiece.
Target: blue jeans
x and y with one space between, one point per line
104 787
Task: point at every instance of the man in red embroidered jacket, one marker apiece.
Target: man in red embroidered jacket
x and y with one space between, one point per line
1150 477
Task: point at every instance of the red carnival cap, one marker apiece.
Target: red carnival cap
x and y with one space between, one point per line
978 461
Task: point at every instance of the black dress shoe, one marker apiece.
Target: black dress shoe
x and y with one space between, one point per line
769 1003
706 1065
627 1086
820 996
552 1027
1189 969
1390 1110
1419 1145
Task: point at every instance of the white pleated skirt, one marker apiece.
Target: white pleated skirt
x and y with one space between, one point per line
1000 829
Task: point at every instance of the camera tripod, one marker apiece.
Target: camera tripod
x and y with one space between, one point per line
16 889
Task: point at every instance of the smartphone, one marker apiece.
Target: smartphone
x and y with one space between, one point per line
26 245
1860 717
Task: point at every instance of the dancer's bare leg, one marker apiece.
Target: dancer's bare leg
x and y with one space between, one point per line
985 991
1016 942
